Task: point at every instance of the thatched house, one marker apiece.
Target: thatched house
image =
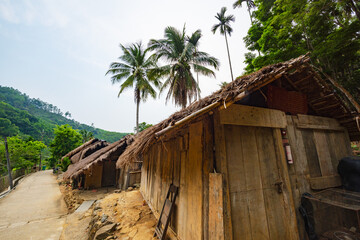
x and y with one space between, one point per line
99 168
85 150
226 153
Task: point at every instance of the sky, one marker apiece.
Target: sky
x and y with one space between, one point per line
59 51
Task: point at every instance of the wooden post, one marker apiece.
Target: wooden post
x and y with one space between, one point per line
216 209
8 163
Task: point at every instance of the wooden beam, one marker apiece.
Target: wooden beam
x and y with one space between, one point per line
320 183
321 123
253 116
187 118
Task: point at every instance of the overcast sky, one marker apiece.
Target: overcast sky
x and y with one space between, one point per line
60 50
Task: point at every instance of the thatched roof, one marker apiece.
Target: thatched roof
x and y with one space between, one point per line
111 151
79 149
89 150
295 75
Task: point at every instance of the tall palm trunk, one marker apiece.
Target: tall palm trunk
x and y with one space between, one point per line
248 8
137 109
197 79
251 21
227 47
8 163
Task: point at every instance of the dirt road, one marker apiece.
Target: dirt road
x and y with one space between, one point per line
34 210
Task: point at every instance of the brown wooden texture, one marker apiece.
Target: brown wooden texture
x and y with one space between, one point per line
299 171
255 164
221 166
320 123
323 152
316 153
109 174
207 165
216 221
253 116
93 176
193 180
321 183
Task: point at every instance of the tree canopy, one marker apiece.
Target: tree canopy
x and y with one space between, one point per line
182 56
65 140
135 70
328 29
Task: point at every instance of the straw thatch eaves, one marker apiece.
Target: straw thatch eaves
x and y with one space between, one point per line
112 151
324 96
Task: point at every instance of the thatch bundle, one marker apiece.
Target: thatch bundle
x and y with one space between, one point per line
115 148
297 74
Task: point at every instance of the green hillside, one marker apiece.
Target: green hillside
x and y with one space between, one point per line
38 119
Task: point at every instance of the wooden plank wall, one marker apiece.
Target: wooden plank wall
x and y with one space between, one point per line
317 144
256 162
185 161
93 176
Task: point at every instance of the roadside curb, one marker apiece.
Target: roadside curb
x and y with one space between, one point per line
15 183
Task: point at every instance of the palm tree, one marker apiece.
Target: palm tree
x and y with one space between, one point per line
181 56
86 135
224 26
194 40
250 4
135 70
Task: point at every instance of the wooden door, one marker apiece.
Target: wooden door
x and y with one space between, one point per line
109 174
260 194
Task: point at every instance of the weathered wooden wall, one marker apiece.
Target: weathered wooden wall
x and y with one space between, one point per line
249 144
186 161
317 145
93 176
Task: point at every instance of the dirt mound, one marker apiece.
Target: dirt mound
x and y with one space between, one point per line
128 210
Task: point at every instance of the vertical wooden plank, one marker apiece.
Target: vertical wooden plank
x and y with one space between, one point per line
157 178
208 158
176 181
323 153
194 219
221 166
235 161
237 183
311 153
287 191
216 221
254 185
298 175
276 204
183 189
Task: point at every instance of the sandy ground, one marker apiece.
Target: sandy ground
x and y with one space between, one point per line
133 216
34 210
128 210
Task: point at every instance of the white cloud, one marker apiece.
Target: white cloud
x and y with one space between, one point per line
7 12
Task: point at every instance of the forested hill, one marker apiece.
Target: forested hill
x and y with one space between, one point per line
38 119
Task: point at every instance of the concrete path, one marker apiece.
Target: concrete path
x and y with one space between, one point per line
34 210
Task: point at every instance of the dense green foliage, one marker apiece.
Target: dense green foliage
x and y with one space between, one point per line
135 70
38 119
23 153
328 29
65 140
181 54
86 135
65 164
143 126
7 128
